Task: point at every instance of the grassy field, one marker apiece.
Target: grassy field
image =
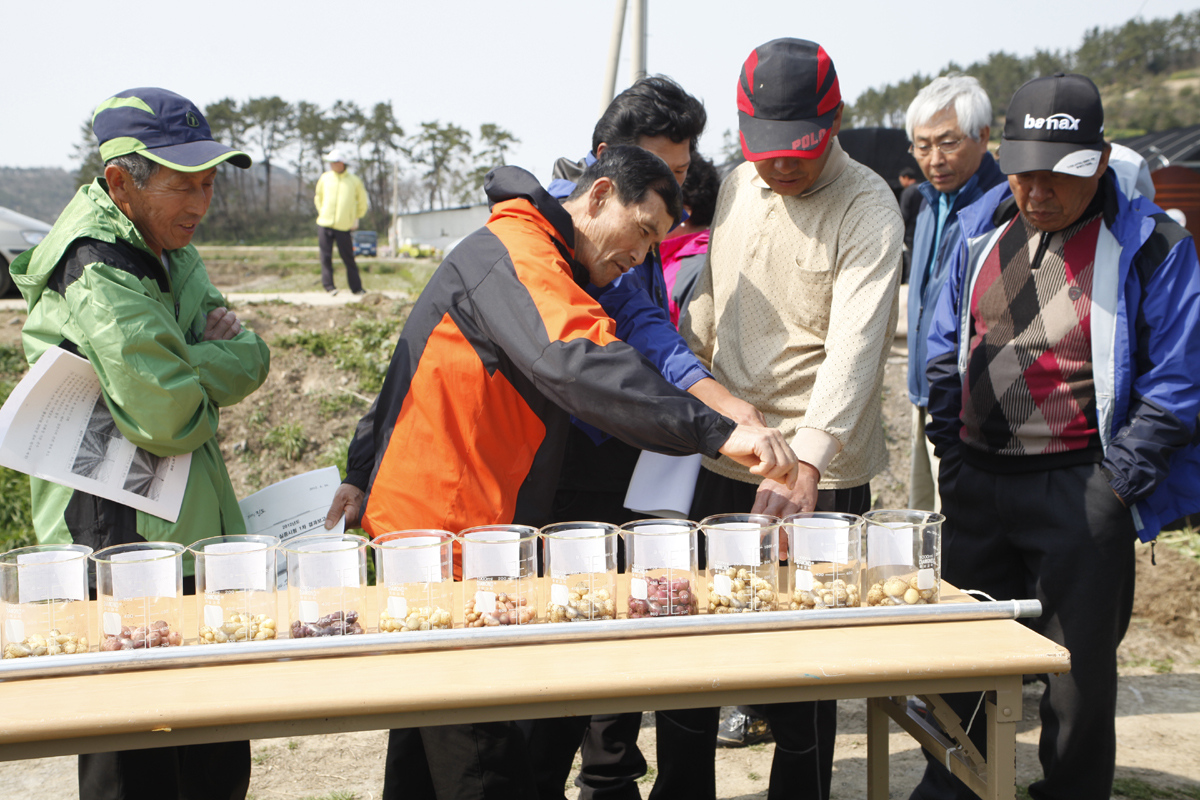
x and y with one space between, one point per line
298 269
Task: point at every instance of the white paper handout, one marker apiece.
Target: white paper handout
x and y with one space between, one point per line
291 508
662 486
56 426
294 506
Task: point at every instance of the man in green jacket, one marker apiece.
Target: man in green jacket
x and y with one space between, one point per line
117 282
341 200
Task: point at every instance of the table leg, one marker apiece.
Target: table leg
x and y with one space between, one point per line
1002 717
877 749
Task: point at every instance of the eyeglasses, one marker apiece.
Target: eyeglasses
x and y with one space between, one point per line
945 147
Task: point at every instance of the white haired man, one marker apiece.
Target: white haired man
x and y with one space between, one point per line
948 124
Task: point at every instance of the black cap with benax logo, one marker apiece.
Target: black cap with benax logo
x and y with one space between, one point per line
1054 123
787 98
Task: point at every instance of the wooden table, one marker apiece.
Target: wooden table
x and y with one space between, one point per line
886 663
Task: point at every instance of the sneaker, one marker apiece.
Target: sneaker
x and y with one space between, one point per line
331 292
739 729
359 293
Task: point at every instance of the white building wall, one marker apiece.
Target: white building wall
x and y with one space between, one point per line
438 228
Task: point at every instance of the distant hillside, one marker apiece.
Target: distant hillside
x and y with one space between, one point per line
41 193
1147 72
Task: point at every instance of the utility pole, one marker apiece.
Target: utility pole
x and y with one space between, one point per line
637 67
614 56
638 48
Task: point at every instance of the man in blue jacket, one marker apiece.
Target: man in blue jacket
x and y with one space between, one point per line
1063 371
656 114
948 123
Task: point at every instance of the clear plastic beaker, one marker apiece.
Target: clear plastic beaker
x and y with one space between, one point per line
824 560
743 562
45 594
662 564
414 580
581 571
236 599
904 557
500 582
327 583
140 591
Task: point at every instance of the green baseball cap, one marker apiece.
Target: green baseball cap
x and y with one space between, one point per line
162 126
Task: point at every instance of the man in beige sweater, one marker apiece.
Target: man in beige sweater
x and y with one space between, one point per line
794 312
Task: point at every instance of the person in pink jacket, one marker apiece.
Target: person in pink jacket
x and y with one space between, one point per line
684 251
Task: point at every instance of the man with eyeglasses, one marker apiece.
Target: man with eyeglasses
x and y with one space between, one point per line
949 124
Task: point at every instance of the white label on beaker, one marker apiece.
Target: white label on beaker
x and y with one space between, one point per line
485 602
310 611
637 588
804 580
735 544
325 565
559 594
889 547
666 549
397 607
51 575
579 550
144 573
415 560
723 585
235 565
214 616
492 559
823 540
14 630
112 623
925 579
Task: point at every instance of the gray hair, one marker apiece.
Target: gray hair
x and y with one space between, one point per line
140 168
963 92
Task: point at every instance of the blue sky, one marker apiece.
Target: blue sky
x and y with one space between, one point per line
534 67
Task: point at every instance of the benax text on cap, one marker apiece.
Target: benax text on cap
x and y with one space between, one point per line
1054 123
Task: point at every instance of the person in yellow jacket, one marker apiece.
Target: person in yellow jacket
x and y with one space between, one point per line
341 201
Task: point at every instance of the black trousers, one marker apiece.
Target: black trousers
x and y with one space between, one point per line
480 761
219 771
804 732
345 245
612 762
1060 536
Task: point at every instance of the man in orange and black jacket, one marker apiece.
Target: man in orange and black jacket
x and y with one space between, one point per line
502 347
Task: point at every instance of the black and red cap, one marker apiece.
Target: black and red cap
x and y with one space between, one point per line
787 97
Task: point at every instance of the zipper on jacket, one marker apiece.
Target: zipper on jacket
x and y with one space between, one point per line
1040 253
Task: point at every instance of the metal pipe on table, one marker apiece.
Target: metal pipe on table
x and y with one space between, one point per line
469 638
